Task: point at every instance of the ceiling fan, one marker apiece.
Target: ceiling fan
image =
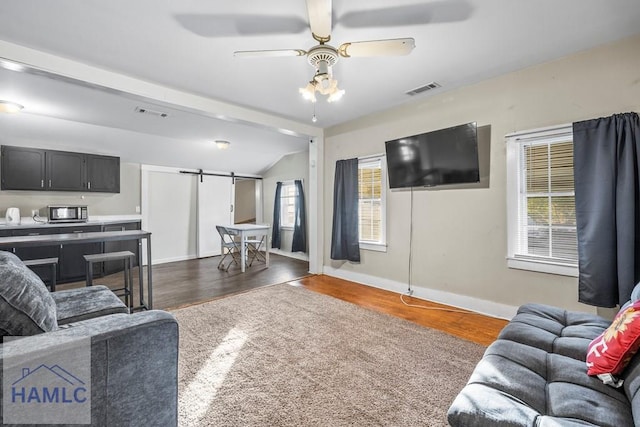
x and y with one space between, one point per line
324 56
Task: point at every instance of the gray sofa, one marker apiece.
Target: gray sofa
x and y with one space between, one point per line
534 374
133 357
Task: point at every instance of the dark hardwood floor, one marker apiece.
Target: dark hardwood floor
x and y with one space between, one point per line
184 283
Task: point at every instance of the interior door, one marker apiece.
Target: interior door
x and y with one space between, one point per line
169 213
215 207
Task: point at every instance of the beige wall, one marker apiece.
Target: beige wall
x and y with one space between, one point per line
291 167
123 203
245 203
459 236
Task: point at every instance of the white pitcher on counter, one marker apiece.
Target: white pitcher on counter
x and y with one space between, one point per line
13 216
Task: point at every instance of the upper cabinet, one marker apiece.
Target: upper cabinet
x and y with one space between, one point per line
65 171
103 173
23 168
51 170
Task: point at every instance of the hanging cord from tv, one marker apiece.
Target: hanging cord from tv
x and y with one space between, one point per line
409 290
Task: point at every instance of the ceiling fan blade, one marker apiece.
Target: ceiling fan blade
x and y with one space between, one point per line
269 53
320 19
390 47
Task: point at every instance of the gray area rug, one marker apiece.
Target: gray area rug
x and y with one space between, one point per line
286 356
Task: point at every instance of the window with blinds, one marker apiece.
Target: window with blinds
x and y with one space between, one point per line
371 201
287 204
545 215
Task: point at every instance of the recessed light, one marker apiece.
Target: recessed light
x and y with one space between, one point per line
12 66
222 145
10 107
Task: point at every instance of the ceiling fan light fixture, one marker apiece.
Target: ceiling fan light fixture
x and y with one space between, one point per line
335 95
308 92
222 145
10 107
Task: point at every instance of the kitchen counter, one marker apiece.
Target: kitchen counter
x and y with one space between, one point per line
64 240
27 222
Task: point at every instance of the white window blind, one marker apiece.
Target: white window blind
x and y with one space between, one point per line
287 204
371 201
542 210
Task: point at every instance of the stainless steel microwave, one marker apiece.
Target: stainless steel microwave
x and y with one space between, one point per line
66 213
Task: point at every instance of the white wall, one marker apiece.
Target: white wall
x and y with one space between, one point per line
291 167
459 236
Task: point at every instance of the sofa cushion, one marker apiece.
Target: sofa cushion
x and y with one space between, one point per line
612 350
74 305
25 302
553 329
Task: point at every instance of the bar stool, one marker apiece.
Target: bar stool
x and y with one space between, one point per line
127 257
53 262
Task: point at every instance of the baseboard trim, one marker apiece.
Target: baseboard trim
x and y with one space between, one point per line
489 308
174 259
296 255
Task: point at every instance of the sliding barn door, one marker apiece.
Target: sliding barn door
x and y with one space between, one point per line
215 207
169 213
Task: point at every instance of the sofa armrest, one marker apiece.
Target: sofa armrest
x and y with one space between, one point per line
134 365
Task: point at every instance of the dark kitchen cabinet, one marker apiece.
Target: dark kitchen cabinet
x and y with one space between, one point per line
71 262
22 168
65 171
51 170
37 252
111 267
103 173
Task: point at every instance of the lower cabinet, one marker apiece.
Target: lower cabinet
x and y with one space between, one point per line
71 264
111 267
38 252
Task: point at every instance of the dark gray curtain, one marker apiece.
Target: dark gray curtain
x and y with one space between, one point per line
607 188
344 237
275 234
299 243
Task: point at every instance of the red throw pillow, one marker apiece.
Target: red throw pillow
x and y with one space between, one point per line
610 352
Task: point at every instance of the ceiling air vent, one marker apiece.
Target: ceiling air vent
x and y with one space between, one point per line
428 86
143 110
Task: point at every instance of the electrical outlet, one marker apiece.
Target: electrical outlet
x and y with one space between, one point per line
137 209
35 212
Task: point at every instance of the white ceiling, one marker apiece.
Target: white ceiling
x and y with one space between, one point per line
188 45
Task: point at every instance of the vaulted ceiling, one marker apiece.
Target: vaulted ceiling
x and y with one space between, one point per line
188 46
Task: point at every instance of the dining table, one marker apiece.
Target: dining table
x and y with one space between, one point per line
246 231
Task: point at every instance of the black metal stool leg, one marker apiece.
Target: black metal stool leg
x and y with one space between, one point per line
131 282
54 272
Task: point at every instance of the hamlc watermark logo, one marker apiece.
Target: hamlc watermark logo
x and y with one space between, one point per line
51 385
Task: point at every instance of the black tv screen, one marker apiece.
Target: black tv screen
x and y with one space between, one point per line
445 156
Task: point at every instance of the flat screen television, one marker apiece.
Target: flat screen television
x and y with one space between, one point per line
440 157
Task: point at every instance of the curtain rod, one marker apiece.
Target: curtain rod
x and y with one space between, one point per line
230 175
535 133
370 156
291 181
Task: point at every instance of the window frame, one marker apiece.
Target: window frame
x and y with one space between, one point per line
381 245
282 205
515 142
